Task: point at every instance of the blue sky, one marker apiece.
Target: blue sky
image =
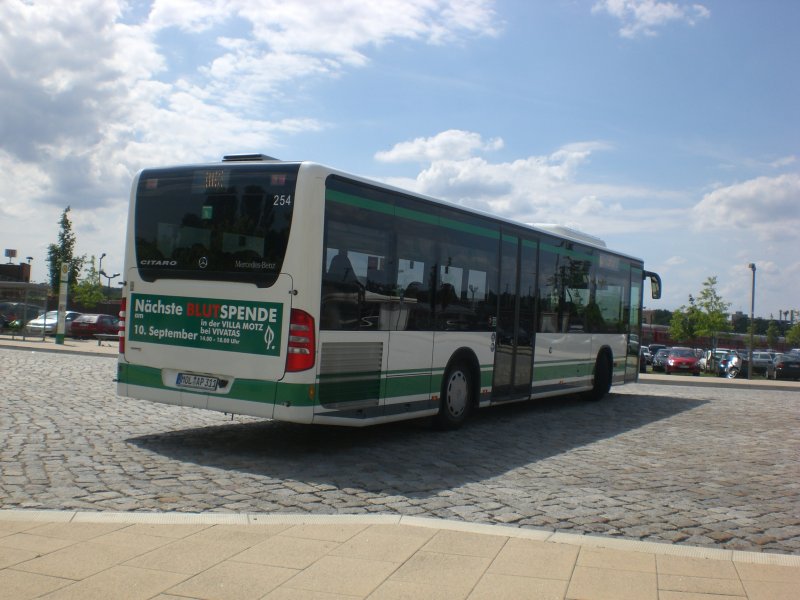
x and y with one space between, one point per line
670 129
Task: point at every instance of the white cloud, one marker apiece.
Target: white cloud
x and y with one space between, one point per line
95 95
675 261
644 17
536 189
453 144
784 161
20 183
188 15
649 223
93 90
768 207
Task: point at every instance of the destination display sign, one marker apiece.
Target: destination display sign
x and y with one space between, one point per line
213 324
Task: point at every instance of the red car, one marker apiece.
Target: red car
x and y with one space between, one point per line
682 360
86 326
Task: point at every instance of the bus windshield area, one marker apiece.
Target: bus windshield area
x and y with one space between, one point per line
228 222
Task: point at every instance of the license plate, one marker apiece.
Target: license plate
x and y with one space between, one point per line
197 382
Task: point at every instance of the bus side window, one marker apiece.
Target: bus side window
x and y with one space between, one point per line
340 293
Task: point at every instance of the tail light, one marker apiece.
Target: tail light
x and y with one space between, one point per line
302 346
122 311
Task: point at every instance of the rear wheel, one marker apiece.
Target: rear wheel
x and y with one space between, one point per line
733 373
456 398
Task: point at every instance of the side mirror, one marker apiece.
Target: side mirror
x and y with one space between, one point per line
655 284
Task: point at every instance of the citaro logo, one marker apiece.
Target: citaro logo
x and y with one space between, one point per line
158 263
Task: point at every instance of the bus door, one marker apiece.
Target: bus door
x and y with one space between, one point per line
634 326
515 333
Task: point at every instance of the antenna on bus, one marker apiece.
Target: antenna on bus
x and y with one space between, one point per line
247 157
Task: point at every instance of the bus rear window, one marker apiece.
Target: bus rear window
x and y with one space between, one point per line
226 222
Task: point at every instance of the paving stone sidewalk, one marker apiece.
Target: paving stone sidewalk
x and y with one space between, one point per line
712 467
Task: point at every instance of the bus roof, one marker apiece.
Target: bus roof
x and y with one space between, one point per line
561 231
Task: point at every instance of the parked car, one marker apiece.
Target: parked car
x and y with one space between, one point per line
19 311
785 366
654 348
734 364
710 361
761 362
681 360
46 324
648 358
88 325
660 359
722 363
642 360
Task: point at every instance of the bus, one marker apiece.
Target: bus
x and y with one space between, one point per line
296 292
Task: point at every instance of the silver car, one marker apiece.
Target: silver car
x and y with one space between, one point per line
762 361
46 324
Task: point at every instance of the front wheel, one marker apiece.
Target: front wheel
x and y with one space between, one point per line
456 399
733 373
602 377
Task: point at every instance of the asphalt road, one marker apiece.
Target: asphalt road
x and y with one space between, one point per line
690 464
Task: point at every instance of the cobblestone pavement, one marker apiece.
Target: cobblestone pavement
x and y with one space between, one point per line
703 466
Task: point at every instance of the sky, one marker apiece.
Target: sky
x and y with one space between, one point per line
669 129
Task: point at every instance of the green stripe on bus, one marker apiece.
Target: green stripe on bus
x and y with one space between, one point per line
530 243
413 215
359 202
414 385
545 372
136 375
252 390
297 394
567 252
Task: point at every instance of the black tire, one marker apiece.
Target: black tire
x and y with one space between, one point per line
602 377
456 400
733 373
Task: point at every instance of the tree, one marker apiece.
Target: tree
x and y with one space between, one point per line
683 325
793 335
661 317
712 312
64 252
772 334
89 291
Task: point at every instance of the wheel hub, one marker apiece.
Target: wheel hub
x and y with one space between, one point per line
457 394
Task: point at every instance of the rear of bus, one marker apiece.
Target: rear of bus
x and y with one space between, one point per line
221 285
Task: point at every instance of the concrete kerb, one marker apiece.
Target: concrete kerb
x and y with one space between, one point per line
542 535
685 380
70 346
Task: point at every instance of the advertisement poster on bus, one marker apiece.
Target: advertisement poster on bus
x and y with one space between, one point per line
212 324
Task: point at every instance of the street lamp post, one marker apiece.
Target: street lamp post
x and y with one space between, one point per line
100 270
752 267
109 278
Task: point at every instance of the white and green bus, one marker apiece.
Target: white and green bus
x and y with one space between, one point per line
296 292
